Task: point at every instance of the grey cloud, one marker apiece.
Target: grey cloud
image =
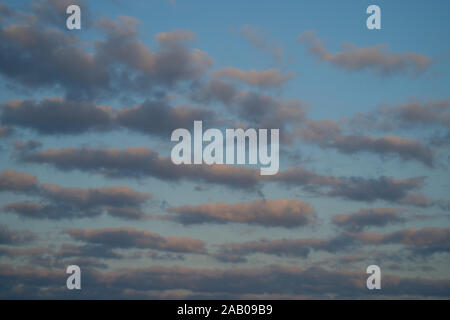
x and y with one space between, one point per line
220 283
301 247
5 131
215 90
39 57
369 190
117 196
62 116
327 134
427 240
364 218
11 180
69 250
125 237
156 117
432 114
68 203
254 109
141 161
266 79
24 146
282 212
378 59
353 188
15 237
262 41
35 210
53 12
171 63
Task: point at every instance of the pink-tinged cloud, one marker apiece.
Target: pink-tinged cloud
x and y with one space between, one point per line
125 237
266 79
11 180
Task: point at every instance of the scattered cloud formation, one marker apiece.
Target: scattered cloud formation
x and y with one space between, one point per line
365 218
266 79
14 237
86 179
287 213
369 190
262 41
38 58
378 59
11 180
427 240
131 238
69 203
411 115
141 161
158 118
55 115
5 131
327 134
301 247
165 282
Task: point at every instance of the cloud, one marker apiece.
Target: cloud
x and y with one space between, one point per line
282 212
59 116
35 56
117 196
58 211
11 180
219 283
427 240
264 111
53 12
173 62
327 134
70 250
378 59
364 218
369 190
5 131
24 146
265 79
68 203
158 118
300 247
125 237
175 37
21 252
14 237
254 109
55 116
36 210
422 201
141 161
262 41
42 57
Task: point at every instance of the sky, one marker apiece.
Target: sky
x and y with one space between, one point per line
86 176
